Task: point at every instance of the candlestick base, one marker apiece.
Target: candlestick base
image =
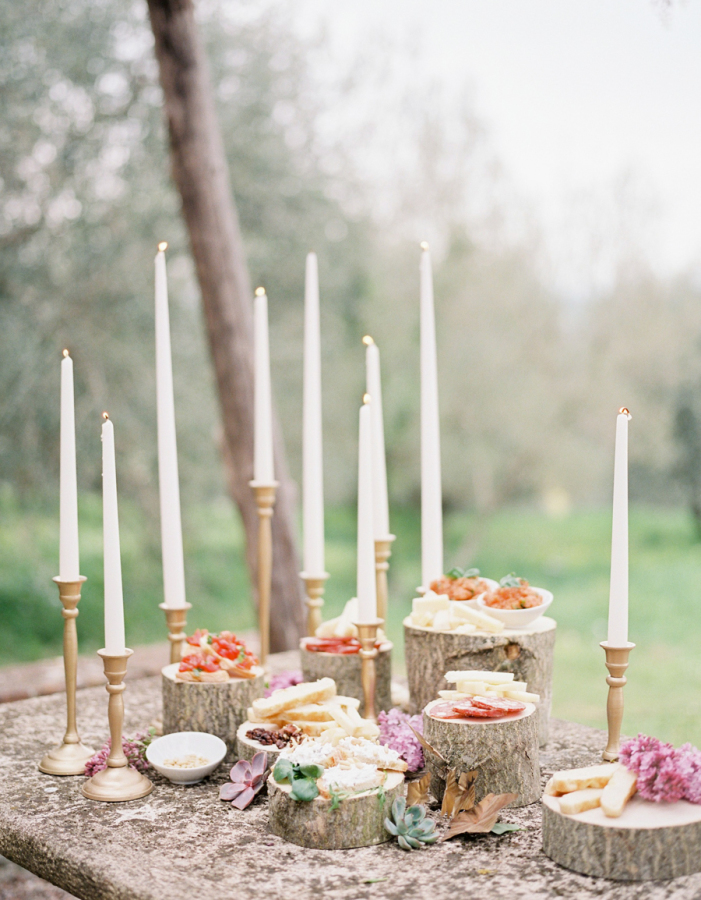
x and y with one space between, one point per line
265 501
367 635
383 551
118 782
314 589
176 620
616 663
70 756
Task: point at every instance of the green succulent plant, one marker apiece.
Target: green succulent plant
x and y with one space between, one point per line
410 826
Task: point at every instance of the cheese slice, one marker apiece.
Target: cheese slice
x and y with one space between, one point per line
523 696
441 620
453 695
471 687
454 677
478 618
579 779
464 629
579 801
430 602
618 791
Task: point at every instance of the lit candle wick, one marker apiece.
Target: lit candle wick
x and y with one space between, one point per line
424 245
105 415
163 246
624 412
367 340
260 291
366 398
66 353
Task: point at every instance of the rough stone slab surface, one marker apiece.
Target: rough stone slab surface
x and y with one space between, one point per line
180 843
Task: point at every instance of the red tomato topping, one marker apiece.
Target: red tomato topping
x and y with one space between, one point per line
197 661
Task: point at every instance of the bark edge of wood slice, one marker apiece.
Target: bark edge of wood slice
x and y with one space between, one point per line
345 671
649 842
526 653
217 708
504 752
357 822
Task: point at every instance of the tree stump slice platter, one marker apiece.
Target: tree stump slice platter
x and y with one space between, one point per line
503 751
247 748
527 653
345 671
216 708
649 842
358 821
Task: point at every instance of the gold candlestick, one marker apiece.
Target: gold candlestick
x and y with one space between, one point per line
265 501
616 663
176 620
367 635
118 782
383 551
70 756
314 590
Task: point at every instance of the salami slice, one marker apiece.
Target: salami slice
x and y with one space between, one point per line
445 711
477 712
503 704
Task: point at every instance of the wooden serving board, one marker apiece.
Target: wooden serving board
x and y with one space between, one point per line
527 653
649 842
345 671
358 821
503 751
215 707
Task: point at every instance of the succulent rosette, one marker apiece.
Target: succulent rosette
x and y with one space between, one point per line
247 779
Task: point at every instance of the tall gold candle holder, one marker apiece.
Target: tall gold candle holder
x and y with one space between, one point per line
70 756
367 635
265 501
118 782
383 551
616 663
176 619
314 592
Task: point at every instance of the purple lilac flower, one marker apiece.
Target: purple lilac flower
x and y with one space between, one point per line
395 733
134 750
664 774
283 680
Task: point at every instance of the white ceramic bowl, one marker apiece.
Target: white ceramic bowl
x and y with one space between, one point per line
473 603
518 618
181 743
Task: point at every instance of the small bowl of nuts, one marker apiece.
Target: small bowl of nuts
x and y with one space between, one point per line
186 757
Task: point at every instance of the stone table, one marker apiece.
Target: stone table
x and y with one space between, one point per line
183 843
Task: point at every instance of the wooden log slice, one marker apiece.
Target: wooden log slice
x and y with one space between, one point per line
649 842
246 748
212 707
345 671
357 822
503 751
528 653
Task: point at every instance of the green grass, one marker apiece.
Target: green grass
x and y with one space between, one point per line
570 556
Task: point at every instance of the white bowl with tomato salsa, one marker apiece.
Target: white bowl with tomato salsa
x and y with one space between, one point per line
517 618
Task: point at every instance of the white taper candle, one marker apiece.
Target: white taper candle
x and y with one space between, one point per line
618 596
312 454
263 468
431 498
366 586
115 643
379 463
68 551
169 488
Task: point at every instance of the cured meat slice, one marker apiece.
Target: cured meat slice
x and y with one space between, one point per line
477 712
445 711
503 704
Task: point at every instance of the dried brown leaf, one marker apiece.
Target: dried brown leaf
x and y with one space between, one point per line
417 791
481 818
427 747
459 792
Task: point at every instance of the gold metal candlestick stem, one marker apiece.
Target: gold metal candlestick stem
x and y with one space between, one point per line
367 635
383 551
265 501
118 782
176 620
70 756
314 592
616 663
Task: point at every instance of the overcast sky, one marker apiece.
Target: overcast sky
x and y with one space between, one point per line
577 94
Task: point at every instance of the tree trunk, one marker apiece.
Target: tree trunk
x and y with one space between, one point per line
200 172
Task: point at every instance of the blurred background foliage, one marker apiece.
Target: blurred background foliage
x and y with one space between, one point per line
530 380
